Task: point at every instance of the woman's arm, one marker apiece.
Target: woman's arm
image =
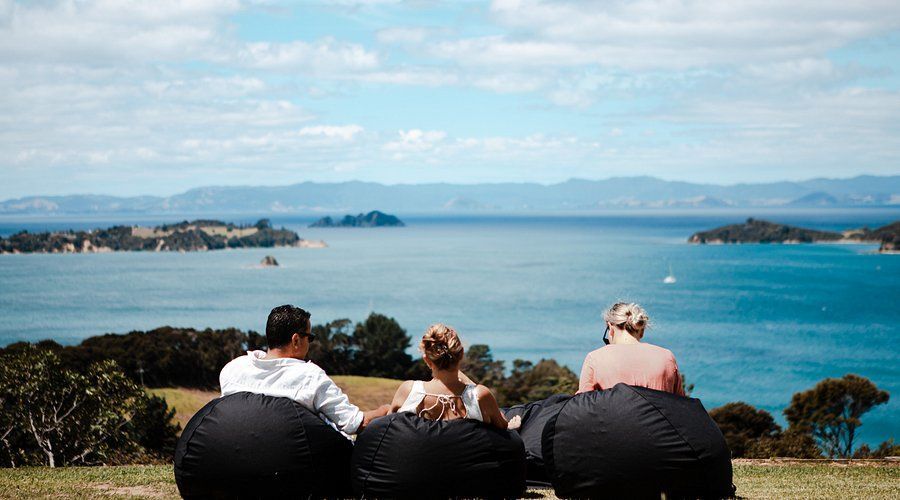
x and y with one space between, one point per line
586 382
490 410
401 395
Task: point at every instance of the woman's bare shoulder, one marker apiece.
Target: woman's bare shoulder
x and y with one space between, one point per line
483 392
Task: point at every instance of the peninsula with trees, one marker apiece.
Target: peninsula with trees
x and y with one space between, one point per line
760 231
371 219
198 235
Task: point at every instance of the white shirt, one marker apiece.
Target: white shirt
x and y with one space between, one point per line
302 381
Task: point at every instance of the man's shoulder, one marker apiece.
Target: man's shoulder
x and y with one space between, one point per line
237 362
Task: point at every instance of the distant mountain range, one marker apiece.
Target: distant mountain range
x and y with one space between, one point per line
574 194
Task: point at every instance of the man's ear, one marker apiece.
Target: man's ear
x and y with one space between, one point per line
295 340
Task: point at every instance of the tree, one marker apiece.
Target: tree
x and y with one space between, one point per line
379 348
789 443
63 417
480 366
830 412
333 348
530 382
688 388
153 428
885 449
743 425
162 357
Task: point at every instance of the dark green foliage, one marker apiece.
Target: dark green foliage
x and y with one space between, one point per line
790 443
152 426
760 231
379 348
688 388
743 426
163 357
885 449
480 366
333 348
830 412
56 416
531 382
185 236
371 219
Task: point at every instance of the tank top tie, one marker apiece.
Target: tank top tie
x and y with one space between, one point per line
447 402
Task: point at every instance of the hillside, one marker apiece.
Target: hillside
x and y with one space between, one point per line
760 231
198 235
371 219
574 194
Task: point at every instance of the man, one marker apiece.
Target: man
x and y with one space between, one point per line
282 371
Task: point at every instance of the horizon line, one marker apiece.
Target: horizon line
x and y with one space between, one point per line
532 183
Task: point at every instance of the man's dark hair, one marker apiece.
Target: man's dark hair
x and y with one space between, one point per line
284 321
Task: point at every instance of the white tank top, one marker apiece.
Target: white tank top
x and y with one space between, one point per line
469 399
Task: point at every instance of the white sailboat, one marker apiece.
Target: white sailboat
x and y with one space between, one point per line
670 278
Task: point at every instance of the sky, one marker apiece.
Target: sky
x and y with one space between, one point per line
128 98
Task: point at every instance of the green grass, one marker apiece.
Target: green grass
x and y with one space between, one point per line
754 479
185 401
138 481
365 392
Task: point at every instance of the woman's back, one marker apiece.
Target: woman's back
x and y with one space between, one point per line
638 364
432 401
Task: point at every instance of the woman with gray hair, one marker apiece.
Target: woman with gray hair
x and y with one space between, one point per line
625 359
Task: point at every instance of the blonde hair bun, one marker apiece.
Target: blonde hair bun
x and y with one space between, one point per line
629 316
441 345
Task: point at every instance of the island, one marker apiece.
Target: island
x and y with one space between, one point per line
371 219
760 231
198 235
268 261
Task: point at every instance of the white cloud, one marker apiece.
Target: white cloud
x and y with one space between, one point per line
323 56
344 132
414 141
646 34
403 35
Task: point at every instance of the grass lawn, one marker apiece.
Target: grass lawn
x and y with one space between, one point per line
754 479
365 392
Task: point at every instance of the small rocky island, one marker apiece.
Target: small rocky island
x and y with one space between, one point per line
268 261
371 219
198 235
760 231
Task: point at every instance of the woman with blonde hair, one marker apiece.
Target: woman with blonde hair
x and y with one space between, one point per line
625 359
450 394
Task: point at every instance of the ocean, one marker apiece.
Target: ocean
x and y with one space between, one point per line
753 323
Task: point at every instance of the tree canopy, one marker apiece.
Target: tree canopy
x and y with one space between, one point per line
830 412
55 416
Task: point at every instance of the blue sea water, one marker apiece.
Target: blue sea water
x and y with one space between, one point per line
748 322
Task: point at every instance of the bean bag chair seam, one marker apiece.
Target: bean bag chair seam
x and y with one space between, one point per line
377 449
189 438
549 459
663 415
194 430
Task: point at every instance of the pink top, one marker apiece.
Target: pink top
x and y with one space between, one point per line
644 365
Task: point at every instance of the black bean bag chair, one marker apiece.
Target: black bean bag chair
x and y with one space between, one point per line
404 456
633 442
534 417
254 446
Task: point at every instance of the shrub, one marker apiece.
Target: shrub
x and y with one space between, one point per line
830 412
743 425
56 416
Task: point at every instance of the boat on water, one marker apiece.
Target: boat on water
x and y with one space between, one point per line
670 278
